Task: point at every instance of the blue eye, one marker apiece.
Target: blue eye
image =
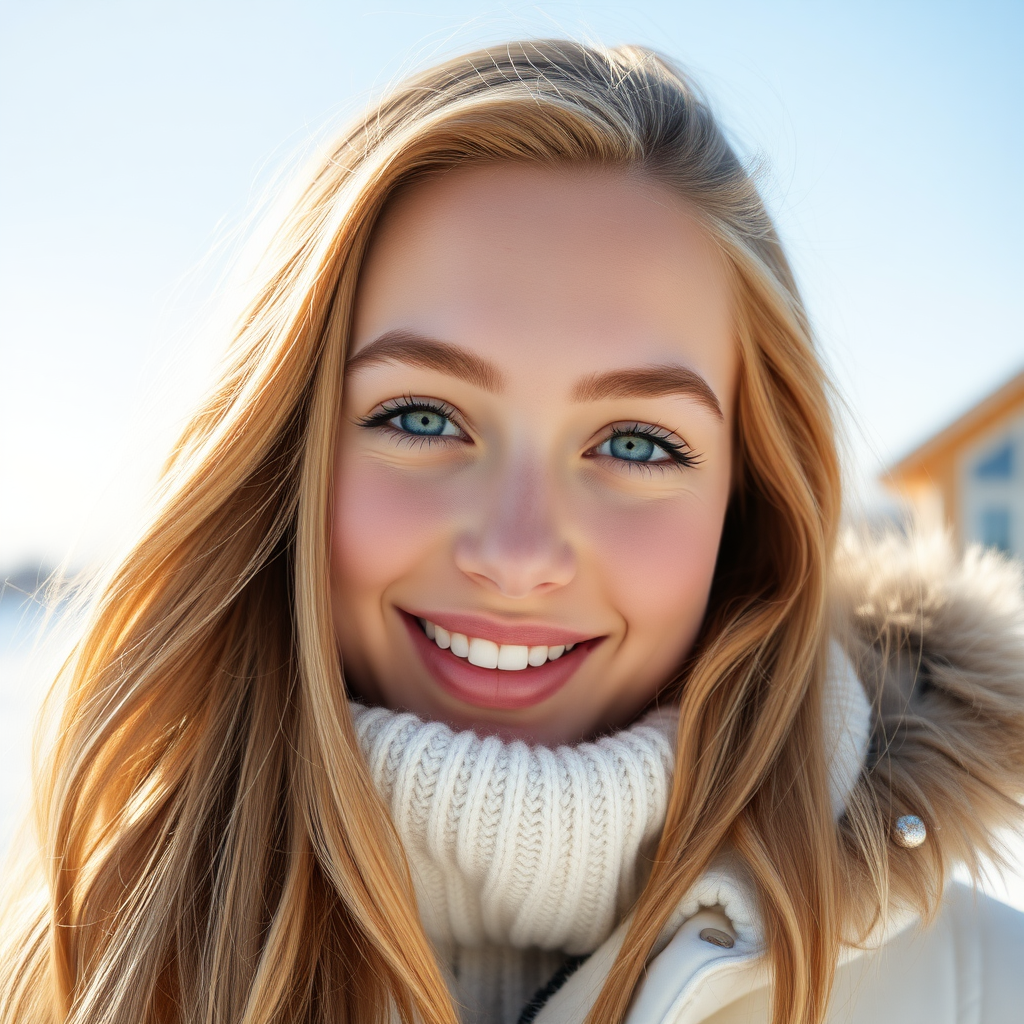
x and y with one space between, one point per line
642 446
425 422
633 448
412 418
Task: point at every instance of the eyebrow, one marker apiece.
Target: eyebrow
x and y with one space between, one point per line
648 382
417 350
403 346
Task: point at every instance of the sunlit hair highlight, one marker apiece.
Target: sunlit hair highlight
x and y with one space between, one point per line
213 849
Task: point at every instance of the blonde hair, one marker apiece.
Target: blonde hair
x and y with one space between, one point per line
212 846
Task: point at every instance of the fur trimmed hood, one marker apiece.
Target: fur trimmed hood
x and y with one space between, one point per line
937 639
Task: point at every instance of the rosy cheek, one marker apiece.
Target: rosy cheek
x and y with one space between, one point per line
376 528
657 560
386 523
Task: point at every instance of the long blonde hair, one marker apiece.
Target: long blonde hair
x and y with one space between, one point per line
212 848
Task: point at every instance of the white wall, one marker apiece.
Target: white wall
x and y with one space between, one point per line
985 494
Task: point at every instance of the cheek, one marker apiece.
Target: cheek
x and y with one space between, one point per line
384 525
657 561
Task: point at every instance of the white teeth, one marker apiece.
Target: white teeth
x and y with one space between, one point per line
513 657
483 653
537 656
488 654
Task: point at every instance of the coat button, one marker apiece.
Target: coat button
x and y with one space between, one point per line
909 831
717 937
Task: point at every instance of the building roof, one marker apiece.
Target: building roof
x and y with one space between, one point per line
924 459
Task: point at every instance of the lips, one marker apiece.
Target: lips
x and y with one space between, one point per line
496 688
526 634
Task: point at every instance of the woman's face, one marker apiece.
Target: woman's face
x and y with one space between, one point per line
535 450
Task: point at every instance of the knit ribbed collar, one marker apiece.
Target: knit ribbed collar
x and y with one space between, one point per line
526 846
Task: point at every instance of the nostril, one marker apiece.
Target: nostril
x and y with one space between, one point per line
515 570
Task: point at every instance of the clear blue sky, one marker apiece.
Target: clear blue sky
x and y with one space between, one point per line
137 134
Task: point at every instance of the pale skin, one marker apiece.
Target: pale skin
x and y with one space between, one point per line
537 432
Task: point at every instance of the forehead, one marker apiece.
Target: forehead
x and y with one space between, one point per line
540 268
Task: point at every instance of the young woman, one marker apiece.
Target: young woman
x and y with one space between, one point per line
490 655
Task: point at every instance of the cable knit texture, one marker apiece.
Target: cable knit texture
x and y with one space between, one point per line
521 846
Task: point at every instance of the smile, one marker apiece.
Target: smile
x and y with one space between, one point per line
488 654
508 667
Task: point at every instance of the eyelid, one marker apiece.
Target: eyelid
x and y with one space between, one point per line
649 429
396 406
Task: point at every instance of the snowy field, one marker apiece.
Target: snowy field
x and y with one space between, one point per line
26 666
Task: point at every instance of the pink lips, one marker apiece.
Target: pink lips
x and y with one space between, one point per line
524 633
493 688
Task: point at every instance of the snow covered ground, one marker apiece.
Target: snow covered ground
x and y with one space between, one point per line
27 663
26 666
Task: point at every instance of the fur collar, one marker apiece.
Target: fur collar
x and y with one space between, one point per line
937 640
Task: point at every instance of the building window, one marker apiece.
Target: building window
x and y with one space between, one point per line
995 527
998 465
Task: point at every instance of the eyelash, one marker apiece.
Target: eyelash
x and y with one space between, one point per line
679 453
396 406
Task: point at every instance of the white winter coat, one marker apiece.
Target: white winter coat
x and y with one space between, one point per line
966 968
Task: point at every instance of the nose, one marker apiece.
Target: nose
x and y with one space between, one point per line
515 546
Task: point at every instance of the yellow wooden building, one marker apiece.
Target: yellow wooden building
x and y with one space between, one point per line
970 475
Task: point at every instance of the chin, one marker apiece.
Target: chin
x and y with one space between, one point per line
542 727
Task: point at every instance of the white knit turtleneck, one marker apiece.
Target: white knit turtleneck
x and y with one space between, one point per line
521 846
523 855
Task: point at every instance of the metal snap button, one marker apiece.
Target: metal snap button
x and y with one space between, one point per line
717 937
909 831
